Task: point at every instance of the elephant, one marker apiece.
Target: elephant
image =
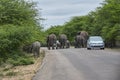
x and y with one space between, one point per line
36 48
79 41
86 36
51 41
67 44
33 48
62 39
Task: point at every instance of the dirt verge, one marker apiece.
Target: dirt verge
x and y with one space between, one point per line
22 72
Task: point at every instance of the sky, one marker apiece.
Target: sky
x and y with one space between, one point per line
57 12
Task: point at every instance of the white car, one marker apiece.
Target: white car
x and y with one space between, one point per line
95 42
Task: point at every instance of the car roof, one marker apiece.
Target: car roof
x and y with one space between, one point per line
95 37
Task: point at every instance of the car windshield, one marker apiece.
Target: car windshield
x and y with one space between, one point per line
95 39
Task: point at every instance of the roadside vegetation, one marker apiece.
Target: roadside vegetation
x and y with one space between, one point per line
104 21
21 72
19 26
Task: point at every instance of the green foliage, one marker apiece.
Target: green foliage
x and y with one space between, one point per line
55 29
104 21
19 58
18 26
111 33
12 38
20 61
17 12
1 74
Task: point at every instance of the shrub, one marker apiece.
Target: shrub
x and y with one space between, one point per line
17 60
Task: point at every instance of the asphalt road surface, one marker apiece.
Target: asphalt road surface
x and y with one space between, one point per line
80 64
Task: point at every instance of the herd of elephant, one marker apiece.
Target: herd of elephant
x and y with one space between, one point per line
60 43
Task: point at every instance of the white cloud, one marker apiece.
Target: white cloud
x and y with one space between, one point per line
57 12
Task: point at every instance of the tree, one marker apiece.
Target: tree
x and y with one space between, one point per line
110 18
17 12
18 26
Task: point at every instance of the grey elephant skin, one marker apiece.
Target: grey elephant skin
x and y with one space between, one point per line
67 44
81 39
33 48
63 40
36 49
51 41
86 36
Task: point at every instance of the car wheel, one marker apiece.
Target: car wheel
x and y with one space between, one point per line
88 48
102 48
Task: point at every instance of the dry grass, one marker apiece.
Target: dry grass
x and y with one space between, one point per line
22 72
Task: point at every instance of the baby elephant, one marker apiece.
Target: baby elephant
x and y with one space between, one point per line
36 49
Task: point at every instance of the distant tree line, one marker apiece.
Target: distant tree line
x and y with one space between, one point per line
104 21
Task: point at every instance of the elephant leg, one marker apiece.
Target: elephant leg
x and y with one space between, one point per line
35 54
78 45
38 52
57 46
53 46
75 44
63 46
86 43
60 45
83 44
48 47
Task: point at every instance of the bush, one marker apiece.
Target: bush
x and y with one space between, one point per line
18 26
20 61
11 39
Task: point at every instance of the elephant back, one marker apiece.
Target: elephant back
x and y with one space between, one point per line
63 38
79 38
52 36
51 39
84 34
36 45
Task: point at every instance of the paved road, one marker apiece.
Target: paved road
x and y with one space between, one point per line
80 64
